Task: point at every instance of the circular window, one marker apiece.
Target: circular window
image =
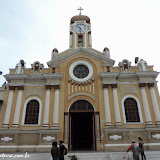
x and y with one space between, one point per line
81 71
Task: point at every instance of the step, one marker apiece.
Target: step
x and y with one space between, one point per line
89 155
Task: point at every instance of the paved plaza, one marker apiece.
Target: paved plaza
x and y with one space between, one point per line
150 155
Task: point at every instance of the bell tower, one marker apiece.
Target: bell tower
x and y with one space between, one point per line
80 31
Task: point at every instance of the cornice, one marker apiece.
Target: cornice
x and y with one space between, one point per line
37 77
108 74
127 75
100 57
53 76
10 77
153 74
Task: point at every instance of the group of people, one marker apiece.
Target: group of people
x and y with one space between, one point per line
137 149
58 152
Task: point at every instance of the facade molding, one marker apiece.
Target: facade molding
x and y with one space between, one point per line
61 58
81 94
126 75
78 100
151 74
33 77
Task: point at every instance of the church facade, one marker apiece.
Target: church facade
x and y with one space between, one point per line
81 98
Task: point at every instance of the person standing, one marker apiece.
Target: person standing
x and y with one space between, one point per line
141 148
62 149
55 151
135 150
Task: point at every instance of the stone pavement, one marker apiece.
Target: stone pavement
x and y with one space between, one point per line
150 155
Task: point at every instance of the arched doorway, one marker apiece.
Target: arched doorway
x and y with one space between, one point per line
82 126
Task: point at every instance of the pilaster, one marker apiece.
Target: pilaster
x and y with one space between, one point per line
8 108
145 105
46 109
116 106
18 107
106 105
155 103
56 107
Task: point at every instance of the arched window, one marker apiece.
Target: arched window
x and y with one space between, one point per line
81 106
131 110
32 112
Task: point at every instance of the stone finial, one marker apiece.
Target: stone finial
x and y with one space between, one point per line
37 67
142 65
125 65
106 52
54 53
20 67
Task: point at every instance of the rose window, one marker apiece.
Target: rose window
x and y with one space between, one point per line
81 71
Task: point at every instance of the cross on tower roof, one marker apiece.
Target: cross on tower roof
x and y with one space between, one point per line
80 10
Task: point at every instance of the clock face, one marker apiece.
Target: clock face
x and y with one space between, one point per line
80 28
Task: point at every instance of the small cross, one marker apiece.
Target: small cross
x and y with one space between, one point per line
80 10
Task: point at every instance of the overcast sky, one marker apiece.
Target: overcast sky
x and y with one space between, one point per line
30 29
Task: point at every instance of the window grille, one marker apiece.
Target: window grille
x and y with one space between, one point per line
131 110
32 112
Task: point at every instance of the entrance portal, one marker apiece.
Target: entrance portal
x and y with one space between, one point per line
82 130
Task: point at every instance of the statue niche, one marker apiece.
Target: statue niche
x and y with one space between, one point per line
37 67
125 65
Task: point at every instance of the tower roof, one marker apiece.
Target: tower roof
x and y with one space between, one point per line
80 18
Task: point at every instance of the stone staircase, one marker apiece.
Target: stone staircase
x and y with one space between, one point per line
89 155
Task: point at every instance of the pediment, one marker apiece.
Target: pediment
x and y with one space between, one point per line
73 52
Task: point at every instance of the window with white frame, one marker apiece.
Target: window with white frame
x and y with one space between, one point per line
131 110
32 112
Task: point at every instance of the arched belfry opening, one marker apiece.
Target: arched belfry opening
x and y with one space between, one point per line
82 126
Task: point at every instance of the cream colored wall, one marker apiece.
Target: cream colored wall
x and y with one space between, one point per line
64 104
24 99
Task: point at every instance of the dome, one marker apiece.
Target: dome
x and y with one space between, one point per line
55 50
80 18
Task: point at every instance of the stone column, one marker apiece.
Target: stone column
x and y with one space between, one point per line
145 104
106 106
56 106
9 106
68 87
116 106
93 88
66 127
46 109
155 103
90 39
70 41
18 106
98 135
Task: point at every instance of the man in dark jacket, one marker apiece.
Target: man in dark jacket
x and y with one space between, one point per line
55 151
62 149
141 148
